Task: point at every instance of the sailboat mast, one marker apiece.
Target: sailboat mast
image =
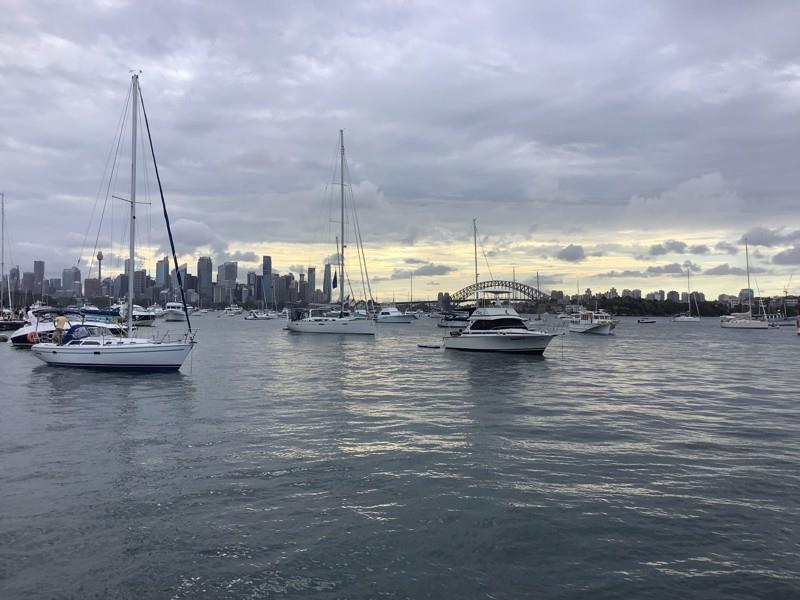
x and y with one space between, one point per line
3 251
341 258
411 293
749 289
134 114
689 290
475 244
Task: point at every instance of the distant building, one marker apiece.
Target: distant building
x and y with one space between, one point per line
326 283
38 275
205 270
162 273
745 295
91 287
627 293
69 277
636 294
27 282
673 296
266 282
312 283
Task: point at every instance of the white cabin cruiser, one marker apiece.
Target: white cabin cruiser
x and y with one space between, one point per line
173 311
498 329
597 322
391 314
141 316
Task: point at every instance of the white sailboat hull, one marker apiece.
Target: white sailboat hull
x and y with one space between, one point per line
686 319
515 342
142 355
744 324
333 326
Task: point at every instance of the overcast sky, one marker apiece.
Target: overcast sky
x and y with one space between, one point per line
611 143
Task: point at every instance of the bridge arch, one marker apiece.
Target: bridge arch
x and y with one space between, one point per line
512 286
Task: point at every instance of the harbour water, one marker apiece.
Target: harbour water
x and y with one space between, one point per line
657 463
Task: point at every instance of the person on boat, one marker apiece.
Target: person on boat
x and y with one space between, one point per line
60 323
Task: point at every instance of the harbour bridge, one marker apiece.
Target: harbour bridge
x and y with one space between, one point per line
521 289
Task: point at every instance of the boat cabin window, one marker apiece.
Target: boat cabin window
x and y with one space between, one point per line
493 324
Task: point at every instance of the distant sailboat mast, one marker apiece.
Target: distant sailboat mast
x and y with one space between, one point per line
134 113
475 243
341 258
3 251
749 289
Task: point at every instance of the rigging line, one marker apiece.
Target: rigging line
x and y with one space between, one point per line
146 192
486 258
166 216
120 122
362 258
111 179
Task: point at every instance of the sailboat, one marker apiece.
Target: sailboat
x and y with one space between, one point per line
8 322
90 347
321 320
745 320
688 318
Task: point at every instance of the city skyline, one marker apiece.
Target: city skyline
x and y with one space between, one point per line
607 158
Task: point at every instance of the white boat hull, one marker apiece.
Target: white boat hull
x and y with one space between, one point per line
397 319
744 324
334 326
174 315
453 323
144 356
593 328
685 319
521 342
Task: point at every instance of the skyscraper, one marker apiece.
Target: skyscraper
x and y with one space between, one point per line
204 271
38 275
312 283
69 277
266 272
326 283
162 273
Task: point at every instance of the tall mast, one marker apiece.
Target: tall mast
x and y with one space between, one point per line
539 291
749 289
475 244
411 293
3 246
341 259
135 105
689 290
3 252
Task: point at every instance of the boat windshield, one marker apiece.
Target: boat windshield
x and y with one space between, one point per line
495 324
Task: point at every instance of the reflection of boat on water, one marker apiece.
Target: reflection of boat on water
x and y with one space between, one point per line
597 322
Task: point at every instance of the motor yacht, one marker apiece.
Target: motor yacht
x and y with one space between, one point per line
41 328
391 314
257 315
497 329
597 322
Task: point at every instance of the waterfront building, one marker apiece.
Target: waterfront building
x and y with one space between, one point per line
38 275
673 296
69 277
91 286
162 273
311 279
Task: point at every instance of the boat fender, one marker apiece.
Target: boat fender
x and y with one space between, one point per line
33 337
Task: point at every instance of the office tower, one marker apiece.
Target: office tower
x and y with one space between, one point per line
38 275
162 273
266 272
312 283
326 283
69 277
204 271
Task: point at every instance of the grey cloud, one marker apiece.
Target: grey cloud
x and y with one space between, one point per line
414 261
726 269
625 123
763 236
788 257
670 246
699 249
671 269
432 270
726 247
571 253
